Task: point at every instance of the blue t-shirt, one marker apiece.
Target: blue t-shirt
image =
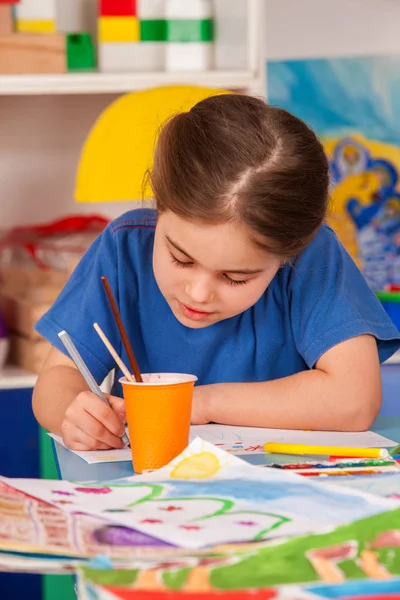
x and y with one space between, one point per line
318 301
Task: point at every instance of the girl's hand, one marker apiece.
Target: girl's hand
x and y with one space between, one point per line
89 424
200 405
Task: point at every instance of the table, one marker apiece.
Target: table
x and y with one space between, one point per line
73 468
388 424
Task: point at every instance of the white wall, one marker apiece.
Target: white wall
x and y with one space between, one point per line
328 28
41 137
40 143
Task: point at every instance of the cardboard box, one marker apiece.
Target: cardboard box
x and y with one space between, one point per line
32 283
21 314
28 353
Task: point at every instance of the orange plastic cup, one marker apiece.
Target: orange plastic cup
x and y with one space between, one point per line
158 415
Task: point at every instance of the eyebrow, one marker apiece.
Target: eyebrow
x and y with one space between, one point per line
233 271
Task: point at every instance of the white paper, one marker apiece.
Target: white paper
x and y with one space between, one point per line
250 440
98 456
238 439
206 496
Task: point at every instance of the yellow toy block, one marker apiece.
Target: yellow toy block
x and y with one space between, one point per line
35 26
119 29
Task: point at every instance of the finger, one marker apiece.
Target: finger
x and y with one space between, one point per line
99 431
118 406
104 414
88 446
76 439
76 417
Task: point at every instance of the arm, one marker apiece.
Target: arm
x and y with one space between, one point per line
63 404
342 393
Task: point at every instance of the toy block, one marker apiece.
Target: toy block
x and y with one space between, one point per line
190 30
119 29
36 10
9 1
76 15
117 8
35 26
153 30
197 56
128 57
6 20
151 9
183 9
23 53
80 52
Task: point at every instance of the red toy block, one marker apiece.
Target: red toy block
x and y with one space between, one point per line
117 8
9 1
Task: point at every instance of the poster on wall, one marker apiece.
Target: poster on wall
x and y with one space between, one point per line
353 104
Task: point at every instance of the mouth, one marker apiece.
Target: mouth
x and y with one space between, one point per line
193 314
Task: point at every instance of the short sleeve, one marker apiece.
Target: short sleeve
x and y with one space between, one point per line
331 302
83 302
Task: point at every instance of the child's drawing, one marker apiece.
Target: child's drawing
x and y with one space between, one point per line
206 497
31 525
386 485
360 558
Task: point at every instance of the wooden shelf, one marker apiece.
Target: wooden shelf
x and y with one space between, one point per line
102 83
12 378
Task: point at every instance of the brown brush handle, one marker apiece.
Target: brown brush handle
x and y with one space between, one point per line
122 331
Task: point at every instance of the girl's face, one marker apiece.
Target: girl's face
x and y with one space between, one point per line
208 273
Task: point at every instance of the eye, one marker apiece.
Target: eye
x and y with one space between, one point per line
234 281
180 263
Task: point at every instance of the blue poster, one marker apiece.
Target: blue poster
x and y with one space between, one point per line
353 104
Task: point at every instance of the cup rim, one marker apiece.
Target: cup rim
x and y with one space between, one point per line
175 379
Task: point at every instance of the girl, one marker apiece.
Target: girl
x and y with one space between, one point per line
233 278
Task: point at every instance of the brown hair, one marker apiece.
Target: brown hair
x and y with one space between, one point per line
236 158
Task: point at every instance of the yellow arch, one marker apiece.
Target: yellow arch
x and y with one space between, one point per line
119 149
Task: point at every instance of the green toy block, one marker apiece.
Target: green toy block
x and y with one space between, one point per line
153 30
190 30
80 52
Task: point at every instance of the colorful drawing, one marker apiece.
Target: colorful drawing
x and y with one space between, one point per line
354 474
92 591
117 593
31 525
363 554
339 467
196 466
386 485
207 497
352 103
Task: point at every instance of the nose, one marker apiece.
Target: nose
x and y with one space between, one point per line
200 289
